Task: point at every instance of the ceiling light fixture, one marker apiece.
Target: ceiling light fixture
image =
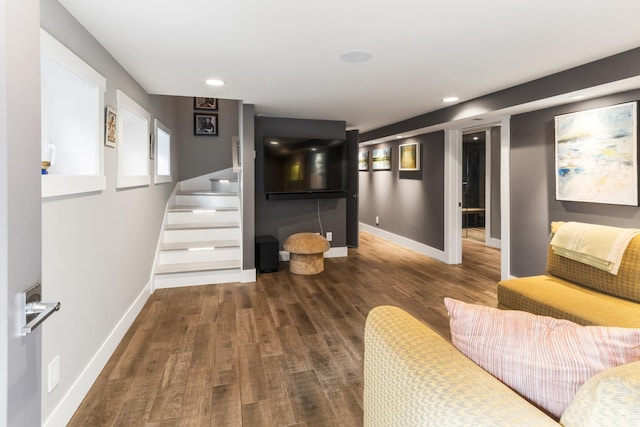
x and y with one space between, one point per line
214 82
355 57
576 97
450 99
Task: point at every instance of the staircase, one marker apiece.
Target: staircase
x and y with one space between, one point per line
201 240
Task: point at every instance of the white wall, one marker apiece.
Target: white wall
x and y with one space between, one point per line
98 248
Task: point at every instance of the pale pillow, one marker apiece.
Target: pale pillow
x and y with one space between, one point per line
609 399
545 360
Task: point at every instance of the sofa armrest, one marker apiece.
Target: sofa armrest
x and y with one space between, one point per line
414 377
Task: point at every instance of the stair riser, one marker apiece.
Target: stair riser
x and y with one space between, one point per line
198 278
225 186
202 217
219 254
207 201
199 235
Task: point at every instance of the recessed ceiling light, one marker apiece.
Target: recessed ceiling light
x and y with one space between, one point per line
399 137
214 82
450 99
355 57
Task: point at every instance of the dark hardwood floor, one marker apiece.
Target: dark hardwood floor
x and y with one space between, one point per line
284 351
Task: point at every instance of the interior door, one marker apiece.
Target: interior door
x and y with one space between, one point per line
20 225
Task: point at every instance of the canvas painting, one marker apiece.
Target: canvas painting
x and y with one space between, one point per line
381 159
409 157
363 160
596 155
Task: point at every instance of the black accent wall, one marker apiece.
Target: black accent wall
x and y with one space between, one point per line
281 218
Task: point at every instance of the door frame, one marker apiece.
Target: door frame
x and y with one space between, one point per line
453 192
20 209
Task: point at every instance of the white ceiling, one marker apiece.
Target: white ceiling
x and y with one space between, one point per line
284 55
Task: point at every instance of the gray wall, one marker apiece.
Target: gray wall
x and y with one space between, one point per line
200 155
533 204
409 204
98 248
495 183
281 218
247 125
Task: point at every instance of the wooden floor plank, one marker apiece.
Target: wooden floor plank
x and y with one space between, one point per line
286 350
226 407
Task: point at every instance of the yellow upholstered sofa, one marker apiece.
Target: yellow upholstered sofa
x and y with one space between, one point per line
414 377
578 292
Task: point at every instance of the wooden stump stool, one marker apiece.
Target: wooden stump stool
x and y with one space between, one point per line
307 253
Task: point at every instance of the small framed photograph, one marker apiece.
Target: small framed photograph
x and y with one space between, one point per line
205 124
409 157
363 160
205 104
110 130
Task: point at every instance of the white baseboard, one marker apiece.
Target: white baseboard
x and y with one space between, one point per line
337 252
405 242
248 276
61 415
494 243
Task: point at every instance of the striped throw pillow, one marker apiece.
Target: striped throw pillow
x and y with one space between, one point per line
546 360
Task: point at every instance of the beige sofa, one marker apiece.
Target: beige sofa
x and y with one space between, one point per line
414 377
578 292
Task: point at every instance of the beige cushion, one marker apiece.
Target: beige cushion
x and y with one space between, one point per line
625 284
609 399
551 296
546 360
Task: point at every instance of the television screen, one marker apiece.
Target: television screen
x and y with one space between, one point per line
305 167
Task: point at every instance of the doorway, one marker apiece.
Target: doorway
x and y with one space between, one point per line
474 178
480 190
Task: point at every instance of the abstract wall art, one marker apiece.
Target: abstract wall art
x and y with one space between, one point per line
596 157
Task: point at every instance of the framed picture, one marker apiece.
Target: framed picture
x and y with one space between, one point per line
205 124
596 158
409 158
205 103
381 160
363 160
110 130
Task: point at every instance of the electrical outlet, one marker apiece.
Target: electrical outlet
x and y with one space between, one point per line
329 236
377 220
54 373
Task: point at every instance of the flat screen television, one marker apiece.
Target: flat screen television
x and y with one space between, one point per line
304 168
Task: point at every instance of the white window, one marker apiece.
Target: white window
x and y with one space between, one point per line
132 143
163 152
72 121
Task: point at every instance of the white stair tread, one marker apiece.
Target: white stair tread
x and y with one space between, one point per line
201 226
191 208
177 246
206 193
197 266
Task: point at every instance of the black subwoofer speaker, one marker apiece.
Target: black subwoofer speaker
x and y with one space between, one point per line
267 250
